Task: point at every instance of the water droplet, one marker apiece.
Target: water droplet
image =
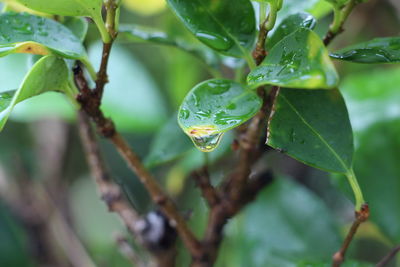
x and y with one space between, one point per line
218 87
205 138
231 106
184 113
207 143
214 40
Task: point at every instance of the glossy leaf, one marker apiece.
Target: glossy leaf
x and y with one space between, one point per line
289 25
214 107
48 74
379 50
314 128
132 98
227 26
300 60
24 33
372 96
65 8
168 144
279 237
78 26
87 8
139 34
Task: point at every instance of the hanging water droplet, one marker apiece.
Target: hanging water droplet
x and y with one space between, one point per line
205 138
207 143
216 41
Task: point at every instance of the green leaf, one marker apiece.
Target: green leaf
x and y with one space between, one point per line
79 26
379 50
48 74
139 34
86 8
289 25
376 162
13 69
168 144
372 97
132 98
271 231
338 3
314 128
227 26
300 60
213 107
24 33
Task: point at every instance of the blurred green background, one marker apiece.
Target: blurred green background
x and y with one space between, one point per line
51 215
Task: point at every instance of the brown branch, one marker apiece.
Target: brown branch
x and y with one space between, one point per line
106 127
209 193
385 261
156 192
110 192
339 18
238 190
127 251
102 77
360 217
259 52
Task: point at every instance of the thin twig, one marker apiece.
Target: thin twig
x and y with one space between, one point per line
107 129
259 52
388 257
360 217
209 192
128 252
156 192
340 16
111 7
110 192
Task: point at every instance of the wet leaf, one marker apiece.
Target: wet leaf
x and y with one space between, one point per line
48 74
227 26
289 25
24 33
213 107
271 232
314 128
379 50
300 60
